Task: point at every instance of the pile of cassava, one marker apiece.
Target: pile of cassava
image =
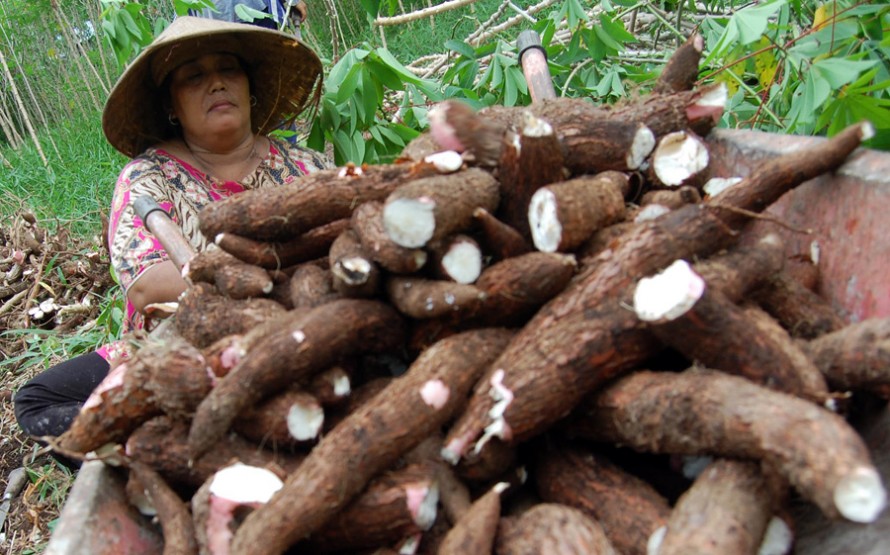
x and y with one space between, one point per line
529 334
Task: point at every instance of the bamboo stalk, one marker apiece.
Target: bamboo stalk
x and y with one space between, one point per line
21 106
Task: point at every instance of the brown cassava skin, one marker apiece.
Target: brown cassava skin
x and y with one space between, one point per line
516 287
552 528
666 113
498 238
179 378
672 198
368 441
314 200
378 516
123 406
601 240
738 271
724 336
587 204
172 512
346 252
266 423
856 356
203 266
489 465
242 281
311 286
454 196
324 386
527 164
301 347
705 412
480 137
726 511
162 444
475 531
427 298
310 245
584 337
627 508
367 221
454 495
204 316
681 70
801 311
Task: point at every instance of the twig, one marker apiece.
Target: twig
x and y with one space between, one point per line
760 216
521 12
422 14
8 305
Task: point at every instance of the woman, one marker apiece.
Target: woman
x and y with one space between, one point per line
193 110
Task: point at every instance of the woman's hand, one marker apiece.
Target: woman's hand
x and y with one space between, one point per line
160 283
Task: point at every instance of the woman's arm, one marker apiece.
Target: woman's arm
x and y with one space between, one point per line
160 283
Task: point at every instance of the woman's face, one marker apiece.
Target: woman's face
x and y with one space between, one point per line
211 95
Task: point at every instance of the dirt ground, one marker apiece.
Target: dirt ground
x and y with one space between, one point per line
67 276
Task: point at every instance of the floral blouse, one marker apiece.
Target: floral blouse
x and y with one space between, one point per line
182 190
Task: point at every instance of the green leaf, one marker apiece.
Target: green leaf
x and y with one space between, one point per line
384 75
371 7
129 23
460 47
391 135
840 71
346 88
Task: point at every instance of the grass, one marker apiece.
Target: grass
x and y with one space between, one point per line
74 187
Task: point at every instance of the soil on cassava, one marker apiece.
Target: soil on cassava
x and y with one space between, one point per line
49 280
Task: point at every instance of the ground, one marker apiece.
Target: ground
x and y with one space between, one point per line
68 276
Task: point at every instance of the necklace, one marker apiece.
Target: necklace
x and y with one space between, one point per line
208 168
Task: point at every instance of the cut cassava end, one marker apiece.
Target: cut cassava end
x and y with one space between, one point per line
390 424
230 489
458 258
678 158
640 411
308 344
668 294
530 159
353 272
367 221
436 207
564 215
286 420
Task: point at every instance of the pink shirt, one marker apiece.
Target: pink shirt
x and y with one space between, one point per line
182 190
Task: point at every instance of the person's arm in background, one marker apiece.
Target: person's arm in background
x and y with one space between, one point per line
297 14
160 283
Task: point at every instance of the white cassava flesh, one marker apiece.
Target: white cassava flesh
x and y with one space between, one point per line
717 185
650 212
447 161
543 219
304 421
353 270
778 538
463 262
669 294
643 143
410 222
678 157
860 495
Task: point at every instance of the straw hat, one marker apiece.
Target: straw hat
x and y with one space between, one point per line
285 77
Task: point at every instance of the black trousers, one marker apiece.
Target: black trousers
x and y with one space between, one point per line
46 405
